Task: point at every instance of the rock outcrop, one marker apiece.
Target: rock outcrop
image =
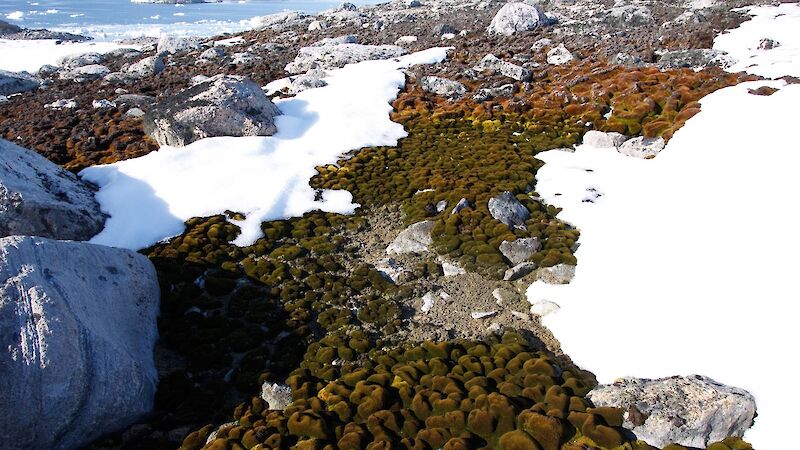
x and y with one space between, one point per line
77 330
39 198
693 411
338 55
223 105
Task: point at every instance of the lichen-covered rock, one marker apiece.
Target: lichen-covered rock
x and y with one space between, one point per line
77 330
507 209
213 53
602 139
345 39
698 58
414 239
630 15
147 67
309 80
516 17
520 250
485 94
39 198
692 411
559 55
558 274
223 105
277 396
15 83
338 55
81 59
85 73
519 271
491 62
642 147
168 45
443 87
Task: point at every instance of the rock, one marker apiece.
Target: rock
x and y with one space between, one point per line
124 52
625 59
15 83
414 239
405 40
451 269
630 16
47 70
519 271
393 270
516 17
147 67
463 203
134 112
443 28
559 55
601 139
345 39
245 58
39 198
317 25
541 44
448 36
693 411
482 314
558 274
642 147
698 58
429 300
310 80
491 62
265 47
768 44
197 79
64 103
7 28
504 297
103 104
224 105
335 56
169 45
443 87
277 21
117 78
544 307
213 53
277 396
79 60
85 73
441 205
347 6
485 94
3 99
508 210
137 100
77 331
520 249
413 3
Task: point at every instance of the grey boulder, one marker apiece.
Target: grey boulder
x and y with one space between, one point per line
516 17
147 67
630 15
601 139
223 105
39 198
414 239
491 62
85 73
484 94
15 83
77 330
693 411
519 271
520 250
508 210
443 87
698 58
642 147
168 44
559 55
80 60
338 55
310 80
345 39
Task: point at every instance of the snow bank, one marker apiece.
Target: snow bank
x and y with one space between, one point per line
30 55
265 178
687 261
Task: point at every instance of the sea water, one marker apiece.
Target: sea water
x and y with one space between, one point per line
118 19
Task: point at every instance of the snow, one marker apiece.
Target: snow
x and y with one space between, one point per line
686 263
30 55
266 178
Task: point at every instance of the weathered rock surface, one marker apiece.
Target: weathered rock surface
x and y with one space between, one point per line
692 411
507 209
642 147
601 139
630 15
503 91
15 83
519 271
277 396
80 60
698 58
338 40
39 198
337 55
309 80
491 62
85 73
515 17
223 105
77 330
559 55
558 274
147 67
520 249
173 44
443 87
414 239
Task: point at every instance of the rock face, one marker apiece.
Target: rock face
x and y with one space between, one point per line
520 250
491 62
515 17
223 105
601 139
443 87
642 147
39 198
691 411
507 209
77 330
337 55
15 83
414 239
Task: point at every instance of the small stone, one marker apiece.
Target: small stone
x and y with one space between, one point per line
451 269
768 44
277 396
642 147
443 87
558 274
482 314
463 203
414 239
103 104
505 296
544 307
491 62
520 249
559 55
519 271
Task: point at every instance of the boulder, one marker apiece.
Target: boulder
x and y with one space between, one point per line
642 147
335 56
310 80
345 39
491 62
39 198
245 59
124 52
443 28
443 87
698 58
484 94
516 17
147 67
213 53
693 411
520 249
559 55
519 271
558 274
77 331
85 73
137 100
15 83
277 21
168 45
79 60
277 396
630 16
223 105
508 210
414 239
601 139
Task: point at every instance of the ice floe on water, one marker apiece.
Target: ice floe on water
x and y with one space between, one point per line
687 261
266 178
